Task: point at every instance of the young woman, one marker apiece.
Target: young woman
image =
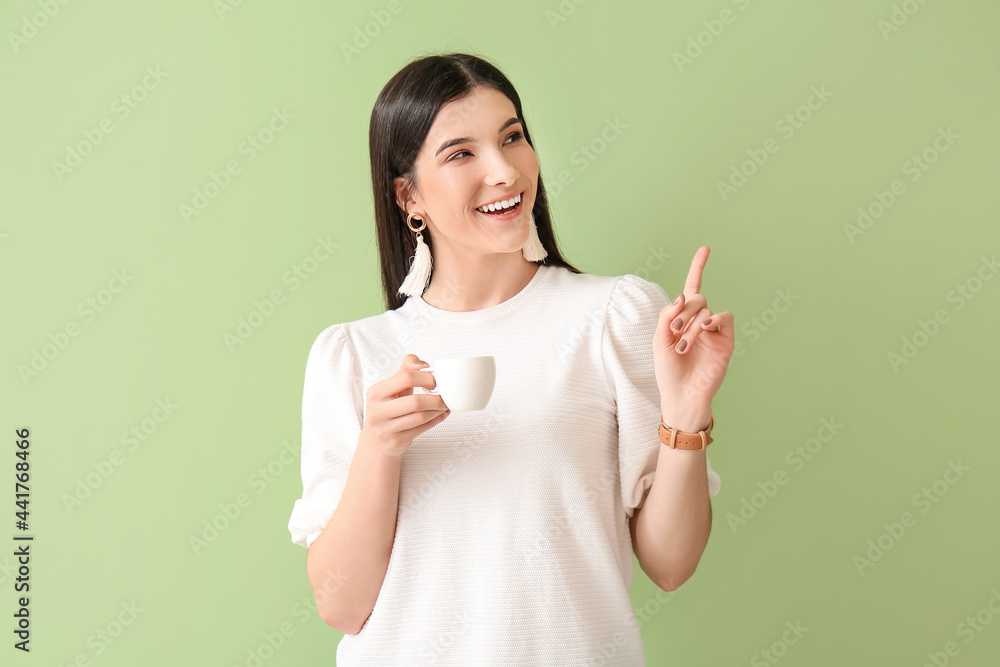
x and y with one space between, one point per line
502 536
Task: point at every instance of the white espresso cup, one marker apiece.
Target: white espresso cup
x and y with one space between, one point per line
464 383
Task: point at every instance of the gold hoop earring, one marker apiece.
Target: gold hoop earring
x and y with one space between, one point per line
420 268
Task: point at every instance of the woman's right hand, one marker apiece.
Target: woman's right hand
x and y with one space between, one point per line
394 415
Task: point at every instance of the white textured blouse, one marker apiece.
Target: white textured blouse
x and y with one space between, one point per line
512 544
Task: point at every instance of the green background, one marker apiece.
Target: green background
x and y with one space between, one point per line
652 191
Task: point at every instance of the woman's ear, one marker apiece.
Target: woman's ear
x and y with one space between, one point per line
402 191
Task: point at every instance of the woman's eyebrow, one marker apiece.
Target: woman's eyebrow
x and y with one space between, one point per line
470 140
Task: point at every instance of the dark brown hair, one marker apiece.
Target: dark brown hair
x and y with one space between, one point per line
402 117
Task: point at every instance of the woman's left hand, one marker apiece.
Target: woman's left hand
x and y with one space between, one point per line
691 361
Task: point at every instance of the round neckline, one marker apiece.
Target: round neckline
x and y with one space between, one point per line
503 306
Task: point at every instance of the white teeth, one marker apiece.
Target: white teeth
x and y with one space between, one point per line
507 203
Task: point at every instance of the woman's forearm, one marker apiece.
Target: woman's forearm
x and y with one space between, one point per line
675 521
347 563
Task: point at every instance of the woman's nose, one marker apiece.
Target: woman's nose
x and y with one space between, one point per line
502 170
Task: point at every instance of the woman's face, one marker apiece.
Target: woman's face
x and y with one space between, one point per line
492 161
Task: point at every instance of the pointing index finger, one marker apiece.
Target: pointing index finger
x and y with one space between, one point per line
692 285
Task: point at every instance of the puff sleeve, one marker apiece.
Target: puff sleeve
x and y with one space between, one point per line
627 349
332 417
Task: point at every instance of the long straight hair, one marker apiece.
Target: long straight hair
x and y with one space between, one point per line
402 117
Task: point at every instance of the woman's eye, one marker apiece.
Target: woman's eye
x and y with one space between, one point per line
516 136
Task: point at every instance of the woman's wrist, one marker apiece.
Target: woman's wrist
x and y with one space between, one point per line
687 420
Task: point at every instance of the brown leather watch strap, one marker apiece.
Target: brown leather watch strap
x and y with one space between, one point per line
675 439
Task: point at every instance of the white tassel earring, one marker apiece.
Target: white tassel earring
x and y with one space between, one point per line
420 270
533 250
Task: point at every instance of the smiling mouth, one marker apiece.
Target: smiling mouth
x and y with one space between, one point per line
507 211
